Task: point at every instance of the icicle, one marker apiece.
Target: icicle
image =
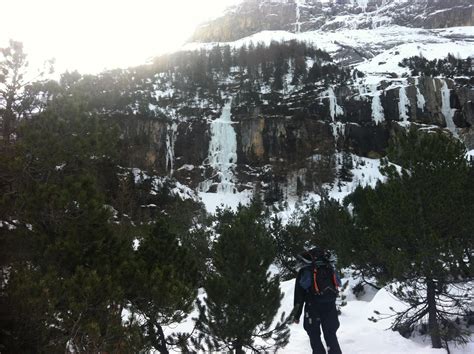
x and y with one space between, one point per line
223 151
298 16
378 114
448 112
338 129
334 111
420 99
403 104
334 108
361 3
170 141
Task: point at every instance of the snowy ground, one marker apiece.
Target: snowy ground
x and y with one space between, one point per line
365 172
387 45
214 200
357 335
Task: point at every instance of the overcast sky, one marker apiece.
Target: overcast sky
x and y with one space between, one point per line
92 35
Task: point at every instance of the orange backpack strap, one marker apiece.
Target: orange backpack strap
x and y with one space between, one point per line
315 274
334 280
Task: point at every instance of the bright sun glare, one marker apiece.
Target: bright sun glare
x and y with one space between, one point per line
92 35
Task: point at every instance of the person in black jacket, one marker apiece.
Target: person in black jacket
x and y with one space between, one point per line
319 306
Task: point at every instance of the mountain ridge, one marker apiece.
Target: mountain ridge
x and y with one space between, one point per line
253 16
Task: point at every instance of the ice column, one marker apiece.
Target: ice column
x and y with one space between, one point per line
334 108
170 141
378 115
420 99
448 112
298 16
403 104
361 3
223 150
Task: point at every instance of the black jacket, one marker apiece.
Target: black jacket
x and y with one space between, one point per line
303 296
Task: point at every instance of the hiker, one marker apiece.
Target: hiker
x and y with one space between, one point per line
317 288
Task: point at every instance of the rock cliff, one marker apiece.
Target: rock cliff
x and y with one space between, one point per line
275 111
253 16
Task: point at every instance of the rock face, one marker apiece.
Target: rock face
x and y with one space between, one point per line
253 16
450 14
278 116
288 143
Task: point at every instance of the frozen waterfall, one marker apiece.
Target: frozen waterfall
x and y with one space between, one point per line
298 16
334 108
420 99
223 151
378 115
448 112
403 105
170 141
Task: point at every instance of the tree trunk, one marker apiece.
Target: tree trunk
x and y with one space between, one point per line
8 120
433 324
238 347
157 338
162 348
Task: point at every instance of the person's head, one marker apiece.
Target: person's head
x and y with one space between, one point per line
317 252
304 258
311 255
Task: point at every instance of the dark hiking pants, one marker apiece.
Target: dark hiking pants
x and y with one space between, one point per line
322 315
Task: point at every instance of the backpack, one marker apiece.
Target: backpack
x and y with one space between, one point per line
319 276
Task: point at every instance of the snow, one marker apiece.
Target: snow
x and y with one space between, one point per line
366 172
386 46
470 154
184 192
361 3
356 334
177 189
387 62
9 225
212 201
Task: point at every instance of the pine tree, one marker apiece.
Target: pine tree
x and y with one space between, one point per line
242 298
344 173
64 236
18 94
73 269
314 74
290 240
162 283
227 59
330 226
12 70
416 229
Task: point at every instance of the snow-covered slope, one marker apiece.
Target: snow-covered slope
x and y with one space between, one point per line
356 334
375 50
253 16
